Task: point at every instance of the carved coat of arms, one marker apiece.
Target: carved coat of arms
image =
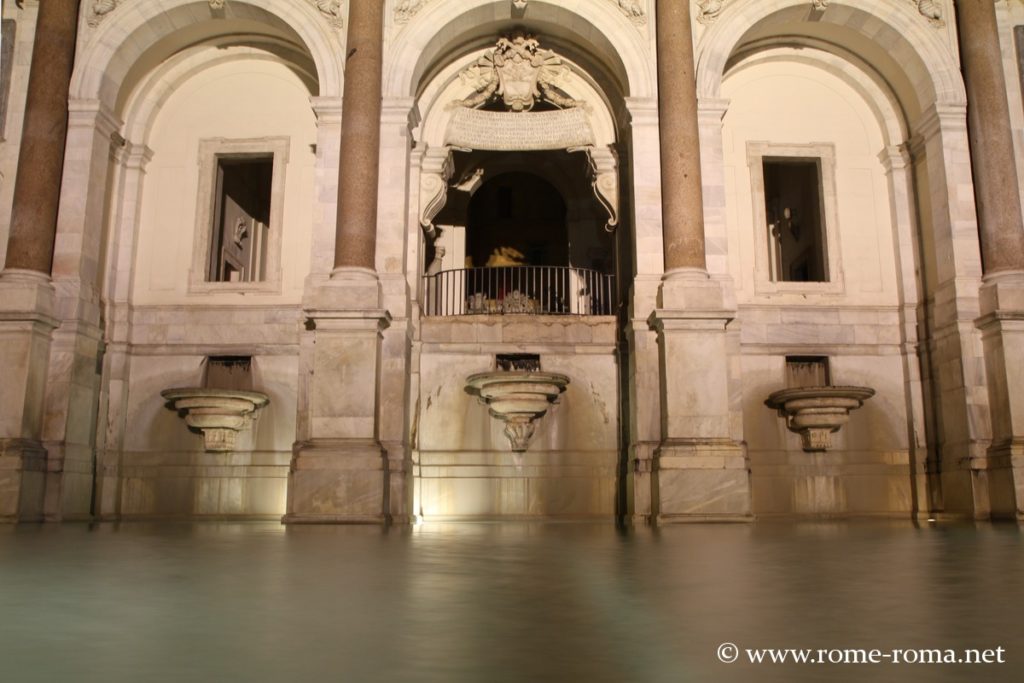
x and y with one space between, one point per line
520 72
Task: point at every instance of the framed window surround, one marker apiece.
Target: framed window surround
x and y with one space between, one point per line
766 277
211 152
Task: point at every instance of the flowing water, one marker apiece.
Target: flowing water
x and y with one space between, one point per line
502 602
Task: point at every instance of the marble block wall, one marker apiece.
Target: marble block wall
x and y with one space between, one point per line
462 460
866 472
164 471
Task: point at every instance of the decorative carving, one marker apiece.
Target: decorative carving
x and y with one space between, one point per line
519 5
519 433
331 9
435 172
518 399
217 4
407 9
634 10
820 4
241 231
815 412
99 10
932 11
605 181
709 10
508 131
518 70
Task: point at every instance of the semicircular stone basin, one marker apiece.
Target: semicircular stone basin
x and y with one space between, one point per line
518 399
220 414
816 412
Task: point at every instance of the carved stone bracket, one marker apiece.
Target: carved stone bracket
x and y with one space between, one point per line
604 168
518 399
219 414
435 174
816 412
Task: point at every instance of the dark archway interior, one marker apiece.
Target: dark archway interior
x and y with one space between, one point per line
541 204
517 211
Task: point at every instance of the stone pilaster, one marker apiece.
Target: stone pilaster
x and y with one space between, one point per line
700 469
924 471
954 382
73 384
28 309
1001 229
648 262
340 470
131 161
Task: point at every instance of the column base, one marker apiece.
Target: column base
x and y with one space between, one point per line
702 481
22 480
338 482
1005 474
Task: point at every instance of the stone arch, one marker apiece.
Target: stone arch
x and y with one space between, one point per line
892 37
609 40
123 44
879 97
145 102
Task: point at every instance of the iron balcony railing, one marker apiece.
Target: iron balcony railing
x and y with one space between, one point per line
522 290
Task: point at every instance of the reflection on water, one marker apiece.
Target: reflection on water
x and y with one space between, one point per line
500 602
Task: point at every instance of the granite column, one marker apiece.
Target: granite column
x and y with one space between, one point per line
27 297
700 470
1001 232
339 470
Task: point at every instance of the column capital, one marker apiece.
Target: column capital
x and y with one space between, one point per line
713 107
895 158
327 110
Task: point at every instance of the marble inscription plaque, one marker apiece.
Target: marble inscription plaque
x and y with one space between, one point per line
510 131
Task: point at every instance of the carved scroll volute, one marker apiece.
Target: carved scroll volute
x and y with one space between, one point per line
435 173
605 181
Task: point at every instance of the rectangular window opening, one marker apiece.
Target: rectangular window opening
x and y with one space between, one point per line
228 372
241 219
793 207
807 371
518 362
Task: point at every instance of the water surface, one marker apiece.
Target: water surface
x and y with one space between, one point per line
500 602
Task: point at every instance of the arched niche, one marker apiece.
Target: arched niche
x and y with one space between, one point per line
893 38
451 125
135 38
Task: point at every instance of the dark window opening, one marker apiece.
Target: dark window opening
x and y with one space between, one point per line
793 206
518 362
228 372
807 371
238 248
